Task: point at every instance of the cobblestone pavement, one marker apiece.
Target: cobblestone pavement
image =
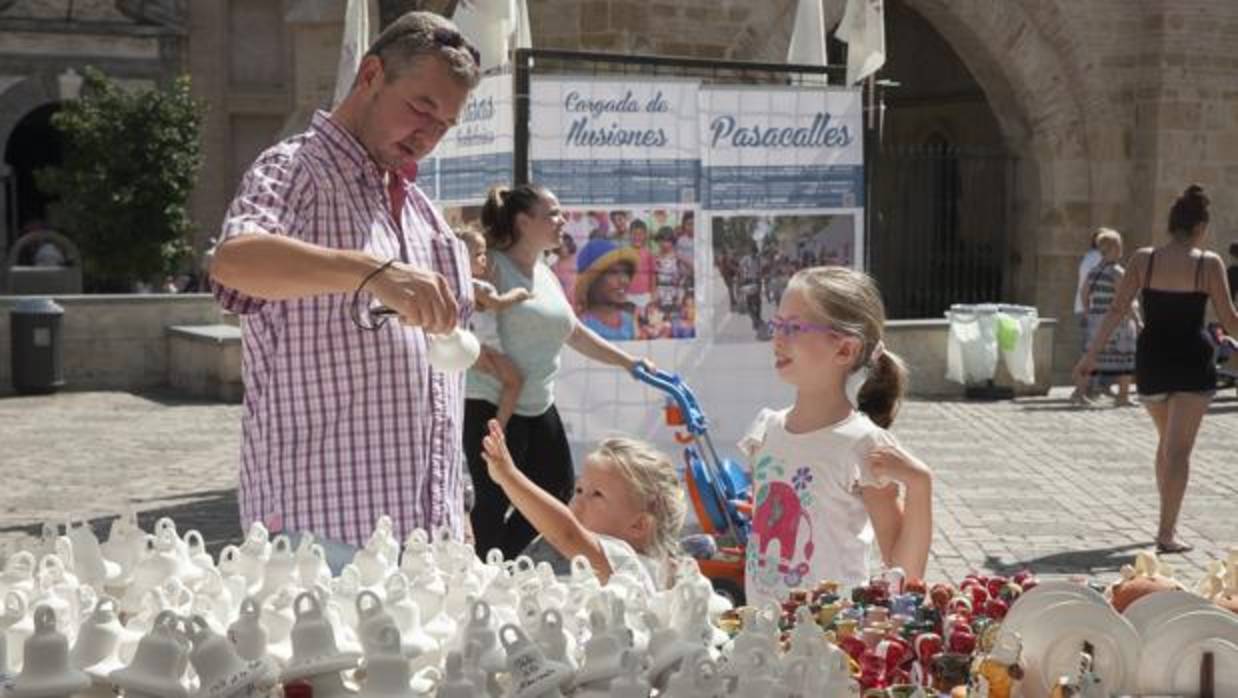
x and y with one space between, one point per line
1031 482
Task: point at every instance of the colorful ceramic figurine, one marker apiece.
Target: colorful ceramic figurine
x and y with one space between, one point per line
996 674
1085 685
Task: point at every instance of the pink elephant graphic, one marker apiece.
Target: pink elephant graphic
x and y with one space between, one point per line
778 517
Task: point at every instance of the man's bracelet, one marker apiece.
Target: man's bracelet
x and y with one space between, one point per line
369 277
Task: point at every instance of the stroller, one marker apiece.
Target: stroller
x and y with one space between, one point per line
720 489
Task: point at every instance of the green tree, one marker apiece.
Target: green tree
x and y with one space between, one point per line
130 160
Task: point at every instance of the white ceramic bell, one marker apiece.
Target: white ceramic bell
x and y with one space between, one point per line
418 553
463 585
13 610
552 590
443 545
502 596
798 679
311 563
154 602
385 538
195 546
371 617
125 544
532 674
253 554
280 569
418 646
688 572
20 626
213 600
430 594
698 628
455 684
158 563
697 678
344 589
373 564
583 584
59 589
19 571
186 570
387 674
486 681
314 648
603 654
247 632
759 632
221 672
554 639
480 629
758 673
345 633
178 597
454 351
88 561
667 650
808 638
46 670
98 640
529 613
159 664
631 683
278 617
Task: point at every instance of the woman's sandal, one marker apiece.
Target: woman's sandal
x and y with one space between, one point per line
1173 548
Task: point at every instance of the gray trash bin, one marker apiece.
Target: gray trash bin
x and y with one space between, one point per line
37 346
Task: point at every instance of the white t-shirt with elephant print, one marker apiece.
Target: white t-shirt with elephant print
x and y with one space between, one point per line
809 522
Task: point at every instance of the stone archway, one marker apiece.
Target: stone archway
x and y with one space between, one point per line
16 103
33 144
1021 60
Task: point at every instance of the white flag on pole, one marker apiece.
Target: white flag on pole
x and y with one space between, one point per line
355 43
524 30
863 28
487 24
808 35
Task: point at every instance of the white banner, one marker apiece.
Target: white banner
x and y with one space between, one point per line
611 141
781 148
477 153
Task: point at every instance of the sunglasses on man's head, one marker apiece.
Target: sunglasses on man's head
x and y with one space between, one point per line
442 37
454 39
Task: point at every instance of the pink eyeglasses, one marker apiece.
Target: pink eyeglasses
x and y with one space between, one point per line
789 329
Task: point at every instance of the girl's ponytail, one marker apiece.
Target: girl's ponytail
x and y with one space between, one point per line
882 394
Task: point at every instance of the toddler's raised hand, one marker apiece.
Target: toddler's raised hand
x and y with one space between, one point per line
494 450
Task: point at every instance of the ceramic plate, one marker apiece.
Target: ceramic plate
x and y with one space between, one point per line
1147 612
1028 606
1081 590
1171 657
1053 640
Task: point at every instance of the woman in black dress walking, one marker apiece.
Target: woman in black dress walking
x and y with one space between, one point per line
1174 368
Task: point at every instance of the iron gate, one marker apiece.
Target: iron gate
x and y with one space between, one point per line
940 226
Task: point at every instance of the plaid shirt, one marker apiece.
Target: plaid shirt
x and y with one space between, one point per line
340 424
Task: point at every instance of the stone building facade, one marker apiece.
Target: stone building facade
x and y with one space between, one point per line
1102 110
44 46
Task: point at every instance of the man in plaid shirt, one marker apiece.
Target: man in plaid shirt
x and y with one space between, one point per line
344 419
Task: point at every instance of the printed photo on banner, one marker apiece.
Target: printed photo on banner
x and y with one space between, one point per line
630 271
755 257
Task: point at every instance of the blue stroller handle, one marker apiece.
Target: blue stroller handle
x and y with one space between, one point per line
673 386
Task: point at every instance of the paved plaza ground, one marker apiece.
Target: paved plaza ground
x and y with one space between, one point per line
1031 482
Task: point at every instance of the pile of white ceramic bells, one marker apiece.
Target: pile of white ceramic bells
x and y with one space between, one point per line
153 616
